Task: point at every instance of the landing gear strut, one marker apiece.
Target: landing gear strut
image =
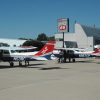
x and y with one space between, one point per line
26 63
11 64
20 63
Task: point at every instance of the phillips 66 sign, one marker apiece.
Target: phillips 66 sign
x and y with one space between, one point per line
63 25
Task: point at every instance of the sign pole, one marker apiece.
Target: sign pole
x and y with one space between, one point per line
63 26
68 24
63 39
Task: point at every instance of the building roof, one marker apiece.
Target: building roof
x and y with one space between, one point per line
91 31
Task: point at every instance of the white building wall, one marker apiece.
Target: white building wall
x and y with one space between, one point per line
59 44
84 36
70 37
67 37
81 38
90 43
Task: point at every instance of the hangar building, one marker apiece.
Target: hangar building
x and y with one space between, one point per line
83 37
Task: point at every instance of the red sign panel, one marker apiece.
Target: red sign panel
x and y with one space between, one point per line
62 27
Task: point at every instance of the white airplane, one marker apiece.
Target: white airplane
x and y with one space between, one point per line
73 53
7 54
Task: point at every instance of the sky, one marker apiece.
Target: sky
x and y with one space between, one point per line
28 18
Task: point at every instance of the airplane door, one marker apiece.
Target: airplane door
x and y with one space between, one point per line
6 55
1 54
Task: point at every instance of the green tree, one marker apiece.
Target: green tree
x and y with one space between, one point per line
51 38
34 43
42 37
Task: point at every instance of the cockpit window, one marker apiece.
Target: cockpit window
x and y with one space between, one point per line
13 51
6 51
70 51
77 50
1 52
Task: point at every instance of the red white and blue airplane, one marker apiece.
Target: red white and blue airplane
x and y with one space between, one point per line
8 54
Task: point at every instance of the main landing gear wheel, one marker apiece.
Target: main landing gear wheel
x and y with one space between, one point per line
73 60
11 64
26 63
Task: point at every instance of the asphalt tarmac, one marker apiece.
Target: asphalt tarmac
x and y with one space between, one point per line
48 80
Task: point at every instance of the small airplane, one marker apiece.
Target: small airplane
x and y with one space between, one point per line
73 53
8 54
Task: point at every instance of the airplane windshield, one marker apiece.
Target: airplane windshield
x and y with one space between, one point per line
77 50
13 51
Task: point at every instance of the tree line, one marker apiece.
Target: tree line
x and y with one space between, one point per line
39 42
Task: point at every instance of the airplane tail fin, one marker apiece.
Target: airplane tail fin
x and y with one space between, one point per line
97 51
47 50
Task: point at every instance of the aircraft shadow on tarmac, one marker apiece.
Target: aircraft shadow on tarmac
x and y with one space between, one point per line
32 66
88 61
4 66
52 68
98 63
23 66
